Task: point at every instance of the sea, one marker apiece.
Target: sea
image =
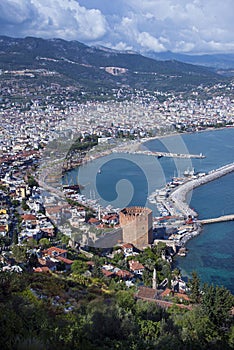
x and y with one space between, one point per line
125 179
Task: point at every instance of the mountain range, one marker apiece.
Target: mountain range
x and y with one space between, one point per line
217 61
99 68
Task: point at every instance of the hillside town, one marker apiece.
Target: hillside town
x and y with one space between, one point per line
37 226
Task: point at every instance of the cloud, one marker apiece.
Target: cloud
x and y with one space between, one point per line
149 42
157 25
53 18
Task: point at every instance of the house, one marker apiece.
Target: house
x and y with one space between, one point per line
3 230
47 228
146 293
47 262
127 249
27 233
54 252
170 292
29 219
110 219
124 274
136 267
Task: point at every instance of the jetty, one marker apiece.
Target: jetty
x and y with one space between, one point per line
166 154
222 218
178 196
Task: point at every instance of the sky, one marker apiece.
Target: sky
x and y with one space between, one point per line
185 26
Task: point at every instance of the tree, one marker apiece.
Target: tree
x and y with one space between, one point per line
31 243
15 203
32 181
195 288
65 239
216 304
147 277
125 299
44 243
33 260
79 266
15 238
20 253
149 330
24 205
197 331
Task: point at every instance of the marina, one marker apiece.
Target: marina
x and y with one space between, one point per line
217 145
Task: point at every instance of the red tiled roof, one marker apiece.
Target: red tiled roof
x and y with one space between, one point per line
93 220
135 265
107 273
124 274
168 291
65 260
54 249
42 269
145 292
29 217
127 245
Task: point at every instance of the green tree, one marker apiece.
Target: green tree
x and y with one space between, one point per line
125 299
15 238
20 253
32 182
44 243
31 243
195 288
79 266
24 205
216 304
149 330
197 331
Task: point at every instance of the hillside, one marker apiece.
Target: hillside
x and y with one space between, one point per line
95 69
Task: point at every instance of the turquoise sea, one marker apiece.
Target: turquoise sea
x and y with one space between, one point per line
122 180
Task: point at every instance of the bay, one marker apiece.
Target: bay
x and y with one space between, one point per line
124 180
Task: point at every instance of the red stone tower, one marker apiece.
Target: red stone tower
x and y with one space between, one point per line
136 224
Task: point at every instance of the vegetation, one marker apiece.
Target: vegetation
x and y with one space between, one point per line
40 311
32 181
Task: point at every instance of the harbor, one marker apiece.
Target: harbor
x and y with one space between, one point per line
172 199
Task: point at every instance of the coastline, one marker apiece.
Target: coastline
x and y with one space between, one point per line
135 145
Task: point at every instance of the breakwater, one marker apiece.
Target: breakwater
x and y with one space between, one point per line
178 196
223 218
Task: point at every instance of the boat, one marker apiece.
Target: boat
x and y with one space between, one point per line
182 251
189 172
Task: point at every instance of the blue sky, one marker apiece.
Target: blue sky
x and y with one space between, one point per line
188 26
